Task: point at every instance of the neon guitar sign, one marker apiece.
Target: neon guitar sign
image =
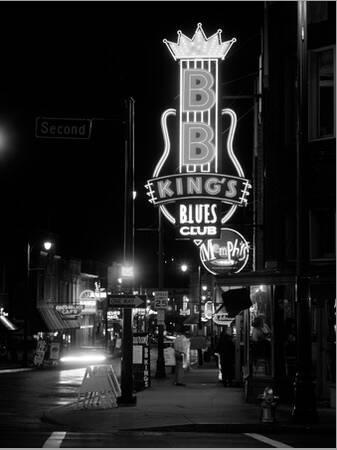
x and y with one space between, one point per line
199 198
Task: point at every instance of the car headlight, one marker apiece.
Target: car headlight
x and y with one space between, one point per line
87 358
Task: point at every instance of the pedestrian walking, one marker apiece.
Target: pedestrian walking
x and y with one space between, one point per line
226 351
181 348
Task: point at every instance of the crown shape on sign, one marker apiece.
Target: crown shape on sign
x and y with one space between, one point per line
199 47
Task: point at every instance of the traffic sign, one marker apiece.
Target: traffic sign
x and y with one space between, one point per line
127 301
161 299
62 128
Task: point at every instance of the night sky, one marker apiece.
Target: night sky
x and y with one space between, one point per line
81 60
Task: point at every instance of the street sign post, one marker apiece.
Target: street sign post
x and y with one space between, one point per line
127 301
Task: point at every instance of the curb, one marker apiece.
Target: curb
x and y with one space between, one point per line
242 428
15 369
45 419
262 428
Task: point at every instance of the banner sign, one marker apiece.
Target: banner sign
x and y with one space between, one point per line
69 311
200 198
141 361
88 302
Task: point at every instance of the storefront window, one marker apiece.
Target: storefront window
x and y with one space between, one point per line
261 330
321 93
331 341
322 234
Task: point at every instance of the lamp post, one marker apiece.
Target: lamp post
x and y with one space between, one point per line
127 398
184 268
160 368
304 404
199 318
47 245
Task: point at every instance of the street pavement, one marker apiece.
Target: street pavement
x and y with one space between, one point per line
38 409
203 402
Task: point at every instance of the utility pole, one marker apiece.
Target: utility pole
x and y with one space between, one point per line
127 398
199 314
304 406
160 369
27 308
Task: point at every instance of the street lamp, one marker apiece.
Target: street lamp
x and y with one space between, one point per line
47 245
184 267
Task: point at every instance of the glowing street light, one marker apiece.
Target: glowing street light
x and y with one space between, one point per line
127 272
47 245
184 267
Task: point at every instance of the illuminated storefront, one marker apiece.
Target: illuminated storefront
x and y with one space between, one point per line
263 322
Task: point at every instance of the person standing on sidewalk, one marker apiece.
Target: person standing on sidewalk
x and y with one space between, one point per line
226 351
181 345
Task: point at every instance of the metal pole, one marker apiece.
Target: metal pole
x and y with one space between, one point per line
106 325
127 398
26 308
199 317
160 369
304 407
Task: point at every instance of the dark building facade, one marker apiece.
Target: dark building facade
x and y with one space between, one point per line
294 205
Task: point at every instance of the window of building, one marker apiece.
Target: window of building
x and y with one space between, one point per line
290 237
322 93
317 12
261 330
322 234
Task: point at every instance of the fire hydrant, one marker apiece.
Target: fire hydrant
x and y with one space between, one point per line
268 405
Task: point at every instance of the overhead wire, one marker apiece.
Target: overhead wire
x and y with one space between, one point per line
240 118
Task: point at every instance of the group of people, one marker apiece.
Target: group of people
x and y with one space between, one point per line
225 350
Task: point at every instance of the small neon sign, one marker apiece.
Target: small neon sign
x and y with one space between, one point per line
199 198
228 254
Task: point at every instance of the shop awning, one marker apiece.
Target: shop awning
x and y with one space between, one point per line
236 300
9 326
54 320
193 319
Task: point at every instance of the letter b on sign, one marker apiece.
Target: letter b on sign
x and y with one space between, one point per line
197 93
197 144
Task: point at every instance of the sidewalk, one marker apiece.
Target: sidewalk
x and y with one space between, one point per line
202 405
9 366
